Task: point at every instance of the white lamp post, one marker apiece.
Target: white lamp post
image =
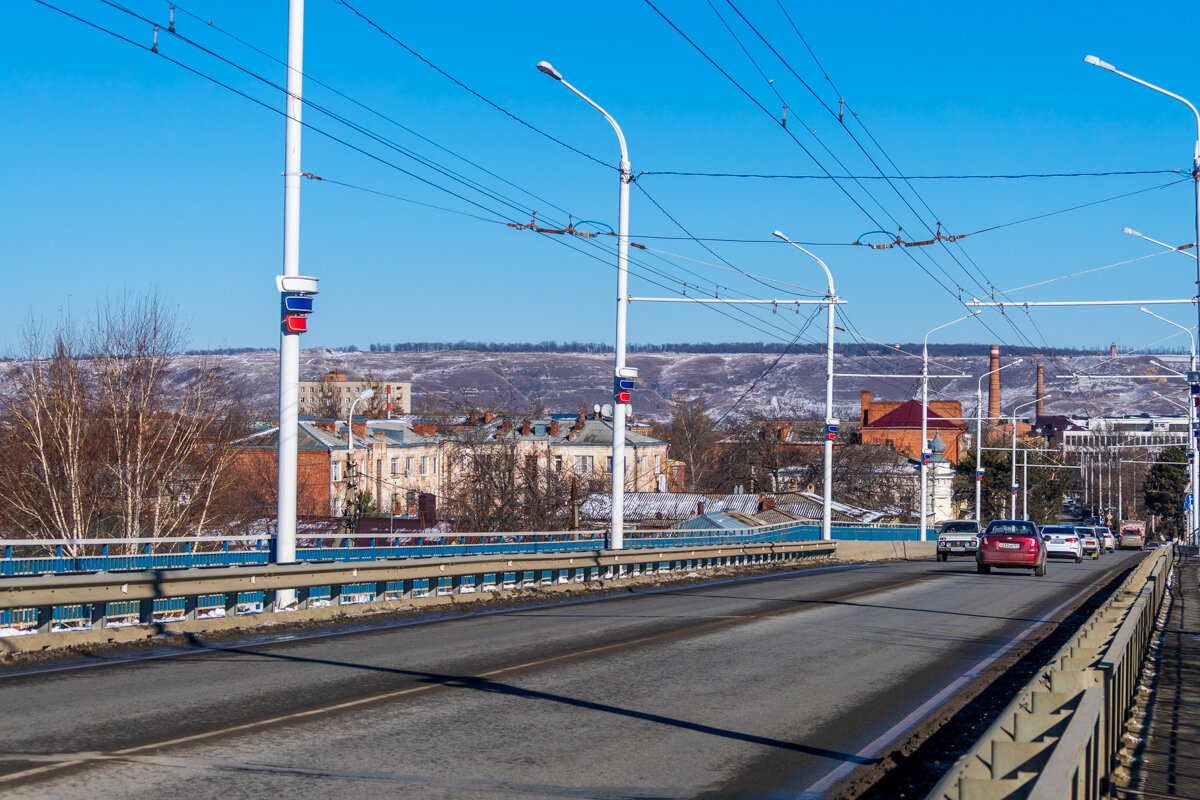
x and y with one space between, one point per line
830 422
1013 505
617 540
925 415
979 438
1179 250
365 394
1193 515
1195 154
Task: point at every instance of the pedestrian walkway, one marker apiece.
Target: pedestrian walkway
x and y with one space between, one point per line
1163 757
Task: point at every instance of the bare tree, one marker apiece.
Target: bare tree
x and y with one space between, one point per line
53 482
691 438
118 443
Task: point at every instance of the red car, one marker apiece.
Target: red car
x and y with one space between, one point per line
1011 544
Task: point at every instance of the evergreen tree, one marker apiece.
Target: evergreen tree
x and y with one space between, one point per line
1165 486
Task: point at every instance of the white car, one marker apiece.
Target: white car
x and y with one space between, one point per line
1106 536
1063 541
1090 538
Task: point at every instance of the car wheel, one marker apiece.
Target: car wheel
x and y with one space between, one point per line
1040 571
1096 556
983 569
941 556
1078 559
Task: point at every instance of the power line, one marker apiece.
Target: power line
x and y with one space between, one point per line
769 176
462 85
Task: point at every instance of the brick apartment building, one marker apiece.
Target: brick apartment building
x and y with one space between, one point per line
395 461
896 425
344 389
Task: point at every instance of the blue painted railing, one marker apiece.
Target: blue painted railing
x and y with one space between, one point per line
28 557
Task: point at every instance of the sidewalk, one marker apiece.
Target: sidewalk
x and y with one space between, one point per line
1163 758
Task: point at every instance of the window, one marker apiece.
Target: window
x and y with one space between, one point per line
335 473
435 465
531 463
608 463
424 465
408 467
465 463
395 466
558 463
657 462
584 464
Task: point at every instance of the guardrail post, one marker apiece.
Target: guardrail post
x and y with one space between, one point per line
45 619
231 604
99 615
146 611
189 607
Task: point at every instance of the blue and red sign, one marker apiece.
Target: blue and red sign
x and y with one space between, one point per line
621 389
295 308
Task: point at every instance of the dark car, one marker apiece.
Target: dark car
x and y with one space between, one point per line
1011 544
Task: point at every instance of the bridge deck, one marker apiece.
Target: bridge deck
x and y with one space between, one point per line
1167 763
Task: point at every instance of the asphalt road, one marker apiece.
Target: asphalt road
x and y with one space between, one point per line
772 687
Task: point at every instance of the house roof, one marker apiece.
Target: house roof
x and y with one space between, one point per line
908 415
709 520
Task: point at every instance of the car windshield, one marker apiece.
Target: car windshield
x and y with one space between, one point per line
1012 528
1058 529
960 527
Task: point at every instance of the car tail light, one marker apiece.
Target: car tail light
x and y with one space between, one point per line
1072 539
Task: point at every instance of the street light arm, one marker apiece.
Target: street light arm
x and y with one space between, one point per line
548 69
1188 331
947 325
1105 65
828 274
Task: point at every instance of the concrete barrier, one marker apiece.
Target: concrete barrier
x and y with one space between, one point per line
885 551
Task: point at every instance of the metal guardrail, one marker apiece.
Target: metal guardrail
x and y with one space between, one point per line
1058 739
51 604
37 557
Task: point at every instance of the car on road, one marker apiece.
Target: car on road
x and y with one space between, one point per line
958 537
1106 538
1063 541
1011 544
1152 545
1090 539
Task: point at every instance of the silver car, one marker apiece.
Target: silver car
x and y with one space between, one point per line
1063 541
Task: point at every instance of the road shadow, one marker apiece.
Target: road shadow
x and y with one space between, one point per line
481 684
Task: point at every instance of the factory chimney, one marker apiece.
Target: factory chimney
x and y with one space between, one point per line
994 385
1041 393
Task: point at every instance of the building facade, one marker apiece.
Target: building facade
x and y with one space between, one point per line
335 391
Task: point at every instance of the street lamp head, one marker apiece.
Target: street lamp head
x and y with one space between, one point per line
1095 62
546 67
366 394
781 235
1145 310
1130 231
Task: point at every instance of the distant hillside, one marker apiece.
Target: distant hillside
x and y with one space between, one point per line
569 382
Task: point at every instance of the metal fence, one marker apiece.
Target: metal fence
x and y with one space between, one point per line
1059 737
98 603
59 557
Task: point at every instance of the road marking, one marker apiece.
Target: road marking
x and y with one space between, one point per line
83 758
821 788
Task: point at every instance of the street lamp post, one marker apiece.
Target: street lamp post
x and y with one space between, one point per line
617 537
365 394
1013 504
925 416
1193 513
1195 154
830 422
979 438
1172 248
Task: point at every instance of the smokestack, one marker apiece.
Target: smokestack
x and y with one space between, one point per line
1041 393
994 385
864 402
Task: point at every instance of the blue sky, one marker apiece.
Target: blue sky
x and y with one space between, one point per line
123 171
